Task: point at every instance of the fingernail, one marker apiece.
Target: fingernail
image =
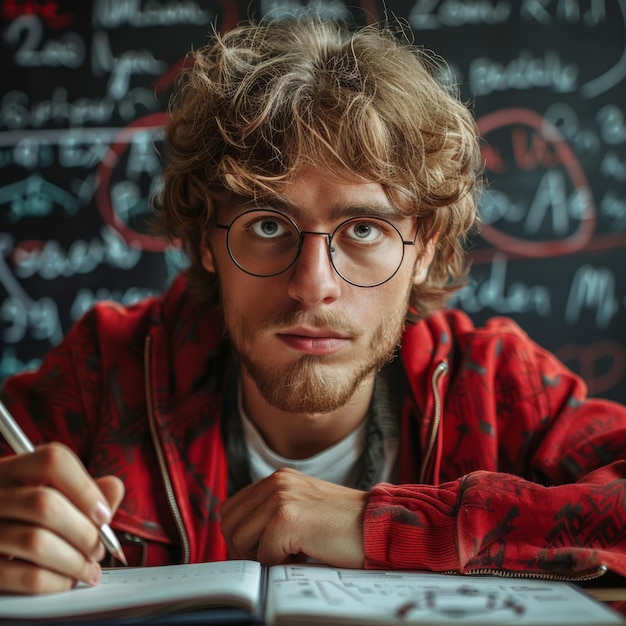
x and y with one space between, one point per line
102 514
96 574
100 552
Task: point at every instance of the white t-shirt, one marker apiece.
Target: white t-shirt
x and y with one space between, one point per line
338 464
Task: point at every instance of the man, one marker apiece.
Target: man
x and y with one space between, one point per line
301 392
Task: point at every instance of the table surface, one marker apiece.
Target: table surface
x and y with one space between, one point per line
608 594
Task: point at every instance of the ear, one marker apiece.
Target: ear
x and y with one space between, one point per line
423 265
208 261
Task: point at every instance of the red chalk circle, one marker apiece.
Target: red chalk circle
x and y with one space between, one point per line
564 156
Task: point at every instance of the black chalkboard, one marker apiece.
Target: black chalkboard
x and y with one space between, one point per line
84 87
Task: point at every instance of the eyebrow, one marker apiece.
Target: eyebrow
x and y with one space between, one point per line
338 210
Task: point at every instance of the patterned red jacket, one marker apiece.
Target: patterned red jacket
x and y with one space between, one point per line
504 464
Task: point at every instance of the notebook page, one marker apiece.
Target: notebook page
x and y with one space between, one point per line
146 590
309 594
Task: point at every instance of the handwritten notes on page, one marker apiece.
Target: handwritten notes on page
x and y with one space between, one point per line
308 595
311 594
147 590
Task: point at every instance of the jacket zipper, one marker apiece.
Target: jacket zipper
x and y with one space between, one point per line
485 571
439 370
167 483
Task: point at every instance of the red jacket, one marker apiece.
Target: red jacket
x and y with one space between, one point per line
504 464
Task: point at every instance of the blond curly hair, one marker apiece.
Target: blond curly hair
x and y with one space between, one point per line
264 100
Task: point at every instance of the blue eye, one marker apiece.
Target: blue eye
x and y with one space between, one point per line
362 231
268 228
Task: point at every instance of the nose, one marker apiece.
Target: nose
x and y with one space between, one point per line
313 278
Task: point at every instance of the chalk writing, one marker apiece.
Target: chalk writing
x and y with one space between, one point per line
613 206
48 260
83 107
142 156
84 148
565 119
553 201
592 288
21 313
613 166
493 293
19 111
34 51
434 14
85 298
588 12
328 9
22 316
39 317
612 124
127 198
122 67
524 72
617 72
495 205
32 153
561 208
115 13
10 364
83 188
35 197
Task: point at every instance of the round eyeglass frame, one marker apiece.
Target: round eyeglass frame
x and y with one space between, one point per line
301 233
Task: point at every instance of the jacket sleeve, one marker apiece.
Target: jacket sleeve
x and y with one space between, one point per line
546 489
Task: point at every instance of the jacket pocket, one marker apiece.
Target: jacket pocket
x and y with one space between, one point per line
143 551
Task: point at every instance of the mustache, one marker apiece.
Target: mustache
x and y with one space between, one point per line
327 319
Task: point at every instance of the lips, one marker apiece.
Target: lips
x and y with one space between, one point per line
317 341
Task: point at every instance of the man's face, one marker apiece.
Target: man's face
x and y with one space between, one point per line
306 337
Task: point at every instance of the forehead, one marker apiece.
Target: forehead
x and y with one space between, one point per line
319 187
319 192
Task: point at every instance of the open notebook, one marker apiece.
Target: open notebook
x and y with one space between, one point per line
314 594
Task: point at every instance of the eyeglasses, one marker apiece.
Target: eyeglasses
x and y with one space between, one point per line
364 251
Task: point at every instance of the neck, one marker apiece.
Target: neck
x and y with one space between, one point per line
302 435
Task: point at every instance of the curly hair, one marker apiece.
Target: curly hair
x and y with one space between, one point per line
264 100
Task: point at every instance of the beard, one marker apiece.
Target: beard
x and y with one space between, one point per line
315 384
312 384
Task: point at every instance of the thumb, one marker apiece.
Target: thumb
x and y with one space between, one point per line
113 489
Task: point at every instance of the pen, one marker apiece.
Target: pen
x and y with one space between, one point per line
20 444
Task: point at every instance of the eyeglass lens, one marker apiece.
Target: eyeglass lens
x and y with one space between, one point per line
365 251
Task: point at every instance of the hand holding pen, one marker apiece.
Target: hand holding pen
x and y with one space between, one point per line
53 516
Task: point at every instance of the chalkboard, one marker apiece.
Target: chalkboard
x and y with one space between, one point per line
83 99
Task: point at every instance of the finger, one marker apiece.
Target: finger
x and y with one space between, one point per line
246 514
238 516
245 532
48 508
252 496
288 513
244 497
113 490
234 512
55 465
282 536
21 577
242 536
46 550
